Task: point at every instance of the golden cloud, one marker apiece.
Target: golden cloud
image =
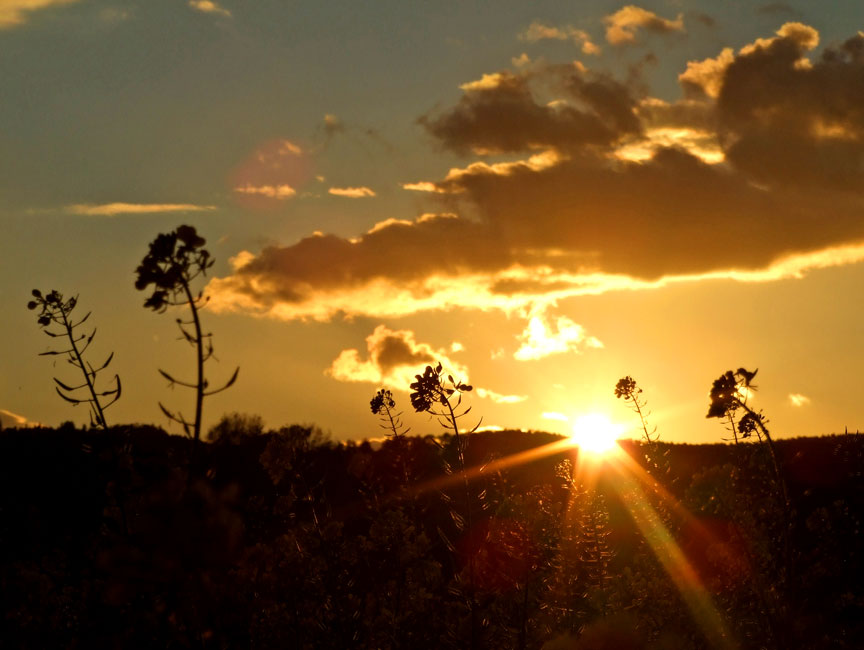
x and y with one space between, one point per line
422 186
394 357
498 398
543 339
111 209
16 12
279 192
537 31
351 192
662 195
623 25
10 420
504 112
209 7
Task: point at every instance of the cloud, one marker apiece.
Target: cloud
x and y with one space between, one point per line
498 398
623 25
797 399
537 31
279 192
209 7
657 193
273 171
10 420
351 192
777 9
111 209
543 339
558 417
422 186
787 121
707 76
16 12
502 112
333 125
393 359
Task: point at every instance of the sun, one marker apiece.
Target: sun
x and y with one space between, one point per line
595 433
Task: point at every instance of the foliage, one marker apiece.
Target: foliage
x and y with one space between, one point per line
173 262
57 311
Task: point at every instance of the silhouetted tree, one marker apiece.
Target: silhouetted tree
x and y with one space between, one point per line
174 261
55 310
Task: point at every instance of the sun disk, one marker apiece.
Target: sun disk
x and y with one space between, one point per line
595 433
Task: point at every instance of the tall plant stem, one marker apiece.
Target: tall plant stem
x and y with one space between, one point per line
199 345
472 603
100 415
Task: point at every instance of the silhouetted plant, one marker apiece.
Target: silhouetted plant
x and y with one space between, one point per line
384 406
174 261
442 398
729 394
627 389
55 310
435 395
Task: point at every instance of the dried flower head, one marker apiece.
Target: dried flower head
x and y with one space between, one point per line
383 400
174 259
626 388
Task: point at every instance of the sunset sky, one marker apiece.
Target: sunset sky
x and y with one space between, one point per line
545 196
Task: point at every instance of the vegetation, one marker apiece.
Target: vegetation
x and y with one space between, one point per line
56 310
292 541
122 537
174 261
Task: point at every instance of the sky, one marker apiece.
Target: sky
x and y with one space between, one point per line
543 196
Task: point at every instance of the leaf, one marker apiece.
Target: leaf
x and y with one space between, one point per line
227 385
107 361
69 399
169 414
65 387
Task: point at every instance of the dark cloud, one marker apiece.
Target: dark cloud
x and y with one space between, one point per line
671 215
705 19
401 251
582 217
784 120
502 114
778 9
393 357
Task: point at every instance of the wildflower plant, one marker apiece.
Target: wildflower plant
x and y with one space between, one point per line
729 394
441 397
384 406
55 310
631 393
172 264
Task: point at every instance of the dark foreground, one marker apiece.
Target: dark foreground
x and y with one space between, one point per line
127 539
